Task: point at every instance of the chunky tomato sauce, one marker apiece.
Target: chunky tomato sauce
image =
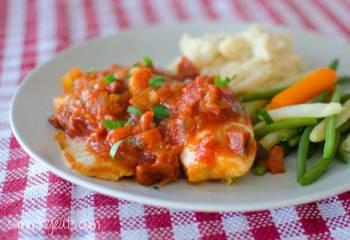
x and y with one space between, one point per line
157 115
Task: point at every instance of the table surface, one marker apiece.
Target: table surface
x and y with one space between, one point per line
36 204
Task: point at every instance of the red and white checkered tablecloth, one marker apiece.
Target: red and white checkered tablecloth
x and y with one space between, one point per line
36 204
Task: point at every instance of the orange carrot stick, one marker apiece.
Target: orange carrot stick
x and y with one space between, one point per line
305 89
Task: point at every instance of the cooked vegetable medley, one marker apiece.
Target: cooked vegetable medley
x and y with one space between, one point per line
312 110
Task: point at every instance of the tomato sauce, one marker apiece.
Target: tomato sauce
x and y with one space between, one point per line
151 141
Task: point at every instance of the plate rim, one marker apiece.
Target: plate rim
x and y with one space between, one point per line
205 207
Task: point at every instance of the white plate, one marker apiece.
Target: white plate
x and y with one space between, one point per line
32 105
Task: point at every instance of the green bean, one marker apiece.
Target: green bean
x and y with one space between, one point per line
288 134
259 170
318 169
334 64
320 98
330 128
284 124
344 128
343 80
272 139
346 144
341 155
261 95
294 141
302 153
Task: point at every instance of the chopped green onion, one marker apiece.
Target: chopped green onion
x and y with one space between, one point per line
132 109
136 65
334 64
156 81
110 78
148 61
222 83
160 112
115 148
110 124
265 115
129 121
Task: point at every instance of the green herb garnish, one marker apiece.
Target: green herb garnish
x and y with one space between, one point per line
156 81
334 64
222 83
110 78
160 112
136 65
115 148
148 61
129 121
110 124
132 109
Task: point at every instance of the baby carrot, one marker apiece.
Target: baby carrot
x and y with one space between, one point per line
305 89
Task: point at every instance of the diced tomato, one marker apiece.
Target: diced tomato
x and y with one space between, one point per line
147 175
113 87
146 122
119 133
54 122
139 80
275 160
193 92
145 99
210 103
149 139
238 139
186 69
69 78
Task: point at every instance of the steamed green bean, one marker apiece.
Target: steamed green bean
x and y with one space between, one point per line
330 129
318 169
294 141
261 95
303 150
284 124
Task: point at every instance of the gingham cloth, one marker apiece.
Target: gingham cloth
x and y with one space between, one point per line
36 204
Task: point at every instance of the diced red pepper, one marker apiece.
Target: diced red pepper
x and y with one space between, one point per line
275 160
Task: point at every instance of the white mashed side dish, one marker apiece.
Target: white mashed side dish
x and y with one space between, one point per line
259 58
